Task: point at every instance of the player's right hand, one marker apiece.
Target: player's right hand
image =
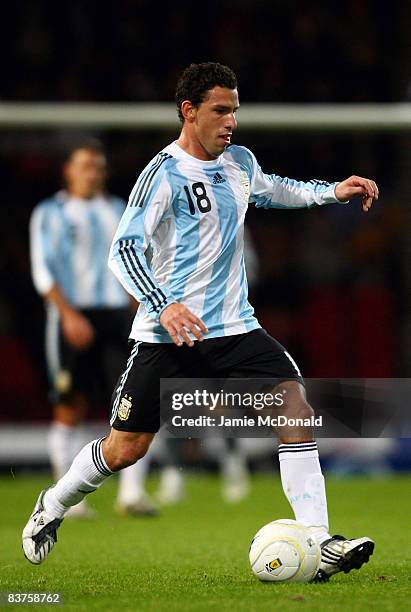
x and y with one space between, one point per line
77 330
178 320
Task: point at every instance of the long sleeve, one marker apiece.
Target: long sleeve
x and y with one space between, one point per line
41 249
272 191
148 204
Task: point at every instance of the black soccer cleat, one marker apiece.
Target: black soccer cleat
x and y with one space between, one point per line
341 555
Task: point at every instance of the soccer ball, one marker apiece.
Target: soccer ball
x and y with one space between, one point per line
284 551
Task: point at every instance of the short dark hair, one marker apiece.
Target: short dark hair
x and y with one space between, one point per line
89 144
197 79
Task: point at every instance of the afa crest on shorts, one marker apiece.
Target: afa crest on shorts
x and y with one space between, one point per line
124 408
62 381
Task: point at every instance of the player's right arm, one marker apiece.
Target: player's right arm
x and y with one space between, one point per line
148 205
76 329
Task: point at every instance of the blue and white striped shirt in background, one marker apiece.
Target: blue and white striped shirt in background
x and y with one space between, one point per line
70 240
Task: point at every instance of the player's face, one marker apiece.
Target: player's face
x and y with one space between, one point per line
215 120
85 173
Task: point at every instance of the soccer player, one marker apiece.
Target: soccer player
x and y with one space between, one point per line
88 311
194 317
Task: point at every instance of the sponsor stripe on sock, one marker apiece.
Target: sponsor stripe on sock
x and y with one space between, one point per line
297 444
97 461
299 447
101 459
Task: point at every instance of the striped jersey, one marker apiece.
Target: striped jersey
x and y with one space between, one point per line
191 215
70 239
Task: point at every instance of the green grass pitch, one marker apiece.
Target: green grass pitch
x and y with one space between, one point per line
195 555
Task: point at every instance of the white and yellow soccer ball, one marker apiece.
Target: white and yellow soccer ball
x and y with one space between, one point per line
284 551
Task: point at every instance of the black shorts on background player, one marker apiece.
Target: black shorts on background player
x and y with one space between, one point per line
251 355
94 371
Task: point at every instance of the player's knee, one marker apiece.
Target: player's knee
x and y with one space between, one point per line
301 409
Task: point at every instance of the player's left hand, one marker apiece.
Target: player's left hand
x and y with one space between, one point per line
358 186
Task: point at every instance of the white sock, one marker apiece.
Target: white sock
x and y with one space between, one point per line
87 472
60 447
304 487
132 480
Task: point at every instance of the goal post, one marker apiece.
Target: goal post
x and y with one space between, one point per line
148 116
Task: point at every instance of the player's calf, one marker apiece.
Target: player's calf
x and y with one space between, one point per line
297 412
123 448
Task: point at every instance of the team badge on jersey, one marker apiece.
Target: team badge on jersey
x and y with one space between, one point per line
245 184
124 409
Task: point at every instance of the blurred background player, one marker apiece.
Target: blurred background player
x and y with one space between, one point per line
88 312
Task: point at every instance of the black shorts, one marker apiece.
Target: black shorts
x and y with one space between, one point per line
251 355
93 372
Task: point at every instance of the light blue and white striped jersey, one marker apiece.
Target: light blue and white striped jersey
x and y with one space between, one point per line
191 214
70 240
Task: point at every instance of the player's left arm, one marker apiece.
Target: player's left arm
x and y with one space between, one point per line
273 191
357 186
